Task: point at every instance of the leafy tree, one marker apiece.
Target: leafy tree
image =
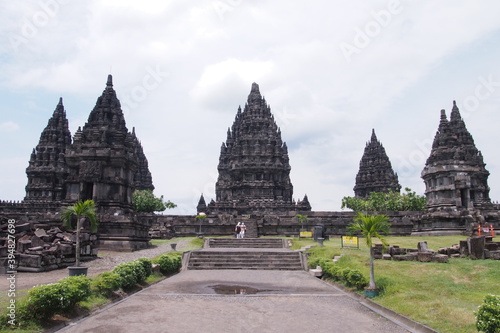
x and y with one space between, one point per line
371 226
146 202
82 210
386 201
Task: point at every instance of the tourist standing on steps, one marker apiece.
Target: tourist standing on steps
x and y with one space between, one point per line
243 229
237 230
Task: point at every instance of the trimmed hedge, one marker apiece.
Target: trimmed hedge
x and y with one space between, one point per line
106 282
169 263
350 277
46 300
133 272
147 265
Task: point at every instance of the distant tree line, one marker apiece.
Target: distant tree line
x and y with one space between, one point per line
386 201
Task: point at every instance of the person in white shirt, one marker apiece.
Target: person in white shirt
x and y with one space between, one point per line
243 229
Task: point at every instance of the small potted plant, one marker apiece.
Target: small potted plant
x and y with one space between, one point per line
81 210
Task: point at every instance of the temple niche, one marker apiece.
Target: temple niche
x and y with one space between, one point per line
254 168
375 171
455 175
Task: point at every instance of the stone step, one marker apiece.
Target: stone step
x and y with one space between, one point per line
253 252
263 260
254 265
247 268
245 243
241 259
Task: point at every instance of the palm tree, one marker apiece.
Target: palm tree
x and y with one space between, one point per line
80 209
200 217
302 220
371 226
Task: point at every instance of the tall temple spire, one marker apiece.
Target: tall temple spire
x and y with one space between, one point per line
373 138
375 171
254 168
107 162
454 173
109 83
47 166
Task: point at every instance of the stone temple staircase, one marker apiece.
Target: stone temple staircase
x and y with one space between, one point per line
246 253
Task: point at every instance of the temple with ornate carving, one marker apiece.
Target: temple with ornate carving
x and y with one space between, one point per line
47 170
375 171
103 162
254 168
454 174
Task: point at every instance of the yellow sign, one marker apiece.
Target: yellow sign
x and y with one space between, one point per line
306 234
348 241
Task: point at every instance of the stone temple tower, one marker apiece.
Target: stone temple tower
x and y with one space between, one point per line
254 168
106 161
375 171
47 170
455 175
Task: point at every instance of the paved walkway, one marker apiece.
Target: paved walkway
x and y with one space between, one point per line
237 301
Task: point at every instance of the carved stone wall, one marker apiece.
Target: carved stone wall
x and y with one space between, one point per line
455 176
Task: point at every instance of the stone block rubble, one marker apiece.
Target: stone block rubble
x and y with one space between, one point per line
477 247
43 248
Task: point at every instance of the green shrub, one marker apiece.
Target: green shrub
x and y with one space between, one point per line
127 274
355 278
76 288
318 261
46 300
133 272
332 271
139 270
488 315
147 267
106 282
169 263
339 272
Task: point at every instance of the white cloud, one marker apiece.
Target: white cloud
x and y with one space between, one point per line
9 126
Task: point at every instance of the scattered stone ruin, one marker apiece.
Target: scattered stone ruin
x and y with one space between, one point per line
477 247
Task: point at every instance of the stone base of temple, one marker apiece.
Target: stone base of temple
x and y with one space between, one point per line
125 245
123 233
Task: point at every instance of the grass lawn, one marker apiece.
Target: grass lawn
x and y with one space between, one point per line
443 296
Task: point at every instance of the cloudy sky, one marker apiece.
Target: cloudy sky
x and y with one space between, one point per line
331 71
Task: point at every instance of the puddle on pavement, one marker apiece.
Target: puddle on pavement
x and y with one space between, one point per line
236 290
